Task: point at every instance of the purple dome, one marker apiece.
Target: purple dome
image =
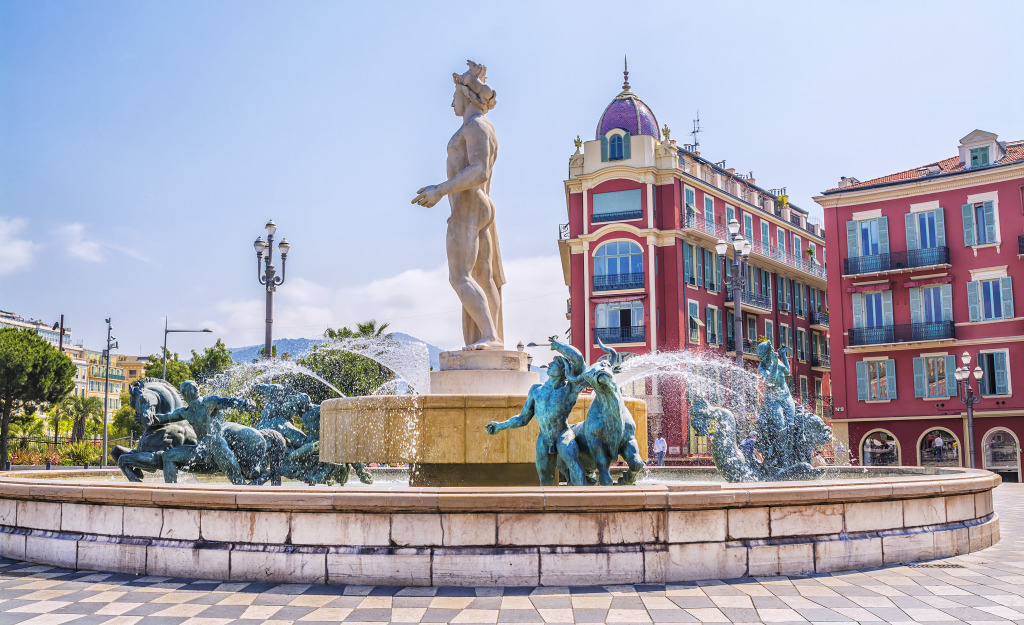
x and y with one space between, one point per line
629 113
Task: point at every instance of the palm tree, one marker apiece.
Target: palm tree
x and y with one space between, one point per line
366 329
81 409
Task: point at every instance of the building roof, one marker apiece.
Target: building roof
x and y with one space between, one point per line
951 165
628 112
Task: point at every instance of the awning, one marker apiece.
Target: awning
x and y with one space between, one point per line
617 298
697 319
887 286
926 281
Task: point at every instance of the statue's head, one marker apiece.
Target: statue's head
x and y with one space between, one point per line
557 368
189 391
764 351
472 85
700 418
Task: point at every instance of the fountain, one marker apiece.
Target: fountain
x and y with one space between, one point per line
479 436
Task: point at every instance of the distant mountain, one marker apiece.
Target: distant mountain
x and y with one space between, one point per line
300 347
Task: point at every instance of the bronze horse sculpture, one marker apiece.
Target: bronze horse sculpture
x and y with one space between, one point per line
150 397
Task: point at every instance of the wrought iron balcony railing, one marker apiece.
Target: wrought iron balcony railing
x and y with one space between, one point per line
707 226
752 299
749 347
821 360
563 232
892 261
903 333
623 334
617 281
819 319
620 216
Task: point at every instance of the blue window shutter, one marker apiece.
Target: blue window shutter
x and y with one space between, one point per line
1006 286
690 199
883 235
950 378
999 362
887 308
862 380
890 379
911 226
718 272
852 242
698 271
990 222
973 306
858 310
707 270
730 214
968 215
707 323
687 263
940 227
604 149
946 296
719 327
919 381
748 228
915 305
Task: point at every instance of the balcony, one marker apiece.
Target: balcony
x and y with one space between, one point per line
707 226
903 333
821 361
819 319
752 300
620 216
896 261
623 334
563 232
619 281
749 347
791 260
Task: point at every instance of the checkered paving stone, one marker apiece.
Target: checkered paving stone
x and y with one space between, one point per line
983 588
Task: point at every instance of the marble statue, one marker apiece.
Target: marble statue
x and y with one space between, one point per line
242 453
474 258
608 432
551 403
149 397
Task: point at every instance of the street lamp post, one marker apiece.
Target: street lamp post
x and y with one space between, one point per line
269 277
967 397
736 279
111 344
166 332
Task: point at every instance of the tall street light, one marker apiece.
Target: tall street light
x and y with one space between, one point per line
111 344
166 332
966 395
736 279
269 277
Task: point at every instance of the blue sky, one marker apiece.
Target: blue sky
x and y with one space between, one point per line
143 145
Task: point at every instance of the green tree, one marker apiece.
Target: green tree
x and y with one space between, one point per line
212 361
26 428
351 373
177 370
82 410
31 372
263 352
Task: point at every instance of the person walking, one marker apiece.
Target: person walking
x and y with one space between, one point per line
938 443
660 447
747 446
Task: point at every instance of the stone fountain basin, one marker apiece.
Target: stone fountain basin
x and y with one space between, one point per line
489 536
443 436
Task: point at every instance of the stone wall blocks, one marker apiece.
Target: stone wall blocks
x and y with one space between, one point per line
548 529
202 563
486 567
244 526
268 499
843 555
206 499
764 493
980 535
656 563
705 500
143 521
951 542
469 529
567 567
118 495
960 508
416 530
337 528
588 498
60 552
12 545
748 523
873 516
293 567
806 520
39 515
180 524
696 526
470 501
926 511
112 556
92 519
904 548
860 492
786 559
8 512
699 561
983 504
641 527
403 567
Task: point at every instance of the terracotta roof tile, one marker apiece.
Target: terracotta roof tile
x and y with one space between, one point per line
1014 152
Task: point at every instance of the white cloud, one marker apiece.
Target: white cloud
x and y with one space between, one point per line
78 246
418 302
14 252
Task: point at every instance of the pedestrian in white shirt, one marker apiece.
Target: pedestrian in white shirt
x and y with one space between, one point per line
660 447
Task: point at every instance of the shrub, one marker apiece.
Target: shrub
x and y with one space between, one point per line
33 457
79 453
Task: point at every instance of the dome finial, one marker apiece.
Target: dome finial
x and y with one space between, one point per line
625 73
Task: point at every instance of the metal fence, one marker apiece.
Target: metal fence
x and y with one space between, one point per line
902 333
890 261
623 334
617 281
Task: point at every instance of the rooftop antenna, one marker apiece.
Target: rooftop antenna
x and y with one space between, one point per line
625 73
696 130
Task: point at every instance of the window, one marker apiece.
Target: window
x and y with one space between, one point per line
979 223
939 448
879 449
931 300
979 157
618 265
690 200
752 329
989 300
799 299
692 257
995 376
780 238
769 332
709 208
803 390
785 337
801 353
872 310
867 237
617 205
711 277
620 321
694 322
876 380
748 228
927 235
933 377
730 214
615 148
713 319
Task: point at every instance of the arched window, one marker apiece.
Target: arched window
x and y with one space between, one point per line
879 449
620 322
1001 454
615 148
619 265
939 448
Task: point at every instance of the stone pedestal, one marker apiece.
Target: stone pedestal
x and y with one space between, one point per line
483 372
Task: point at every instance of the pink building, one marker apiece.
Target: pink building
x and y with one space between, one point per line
638 254
926 267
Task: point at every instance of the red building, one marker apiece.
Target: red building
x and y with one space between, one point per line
928 261
638 254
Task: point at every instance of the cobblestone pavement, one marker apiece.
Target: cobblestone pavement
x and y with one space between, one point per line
981 588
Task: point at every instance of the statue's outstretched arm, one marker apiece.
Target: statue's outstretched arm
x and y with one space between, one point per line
571 354
478 148
518 421
170 417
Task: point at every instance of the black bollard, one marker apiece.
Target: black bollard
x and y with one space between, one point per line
86 467
48 465
8 465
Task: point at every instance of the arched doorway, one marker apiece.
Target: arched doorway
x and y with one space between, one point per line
939 447
1001 454
879 448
